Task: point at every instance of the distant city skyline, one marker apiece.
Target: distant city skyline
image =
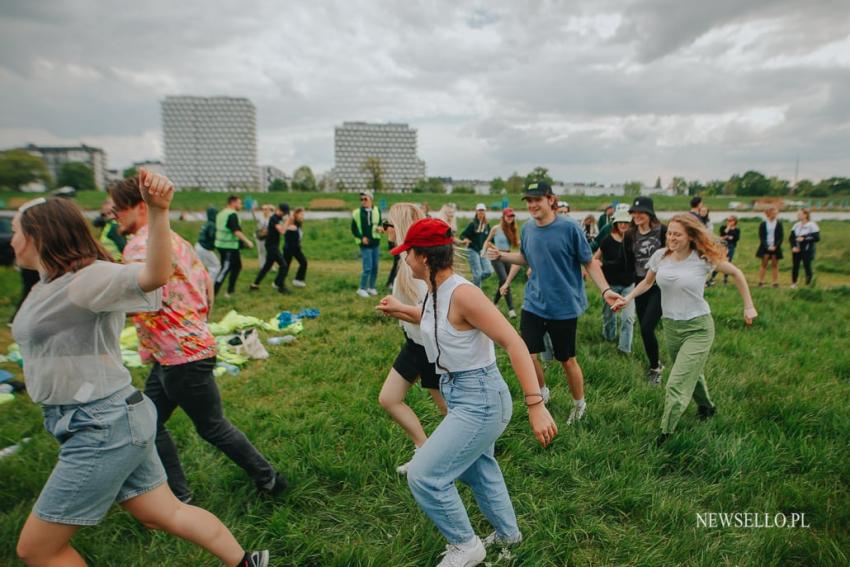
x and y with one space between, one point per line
594 90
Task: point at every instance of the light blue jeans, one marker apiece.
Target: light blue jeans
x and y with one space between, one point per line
481 268
627 320
461 448
370 256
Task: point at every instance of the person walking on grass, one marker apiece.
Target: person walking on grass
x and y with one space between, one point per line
769 251
473 237
618 267
730 234
366 228
176 340
680 270
68 329
459 325
262 230
292 236
555 249
228 236
205 247
412 361
645 236
504 237
804 234
271 241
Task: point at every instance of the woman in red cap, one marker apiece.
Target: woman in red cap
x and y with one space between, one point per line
504 237
459 325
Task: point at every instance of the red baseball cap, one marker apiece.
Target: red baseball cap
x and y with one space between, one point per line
425 233
507 211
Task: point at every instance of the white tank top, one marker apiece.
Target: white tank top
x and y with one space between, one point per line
459 350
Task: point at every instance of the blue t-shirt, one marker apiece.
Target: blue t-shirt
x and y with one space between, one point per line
555 253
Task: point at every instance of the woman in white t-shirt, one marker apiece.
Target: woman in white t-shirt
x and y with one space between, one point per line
459 325
680 271
68 328
412 361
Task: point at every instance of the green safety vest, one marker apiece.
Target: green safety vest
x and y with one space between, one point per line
224 237
105 241
376 219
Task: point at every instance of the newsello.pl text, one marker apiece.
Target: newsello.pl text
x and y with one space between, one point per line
751 520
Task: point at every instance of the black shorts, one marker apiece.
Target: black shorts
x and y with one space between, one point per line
561 331
412 363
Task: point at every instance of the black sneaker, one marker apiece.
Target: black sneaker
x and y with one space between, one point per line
283 290
280 484
255 559
653 375
705 412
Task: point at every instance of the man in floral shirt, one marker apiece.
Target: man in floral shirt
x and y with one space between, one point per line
179 344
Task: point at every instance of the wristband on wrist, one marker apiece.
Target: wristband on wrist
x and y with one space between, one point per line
606 290
537 403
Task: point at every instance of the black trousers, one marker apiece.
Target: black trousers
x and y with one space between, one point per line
806 259
290 252
273 256
648 307
231 265
502 269
192 386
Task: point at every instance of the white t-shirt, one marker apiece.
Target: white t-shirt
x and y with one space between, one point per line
682 284
69 330
770 226
410 329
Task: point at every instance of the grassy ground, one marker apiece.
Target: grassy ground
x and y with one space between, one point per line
198 200
602 494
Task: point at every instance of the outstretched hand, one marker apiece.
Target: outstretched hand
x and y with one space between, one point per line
388 305
157 190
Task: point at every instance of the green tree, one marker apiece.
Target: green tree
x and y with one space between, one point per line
779 186
515 183
733 186
695 187
754 184
76 174
429 185
375 169
130 172
632 189
462 190
835 186
303 179
19 167
714 187
497 186
538 175
278 185
679 185
804 187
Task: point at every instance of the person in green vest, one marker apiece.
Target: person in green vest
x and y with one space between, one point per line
109 237
366 226
228 235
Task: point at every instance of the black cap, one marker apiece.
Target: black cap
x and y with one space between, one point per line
642 205
539 189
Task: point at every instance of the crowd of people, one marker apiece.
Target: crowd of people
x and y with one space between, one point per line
114 443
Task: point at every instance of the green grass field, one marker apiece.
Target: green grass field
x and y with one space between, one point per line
602 494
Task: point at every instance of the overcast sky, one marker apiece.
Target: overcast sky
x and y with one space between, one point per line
596 90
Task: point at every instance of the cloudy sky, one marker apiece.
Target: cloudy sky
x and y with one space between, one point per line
596 90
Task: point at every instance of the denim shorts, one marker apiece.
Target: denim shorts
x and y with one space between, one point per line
107 454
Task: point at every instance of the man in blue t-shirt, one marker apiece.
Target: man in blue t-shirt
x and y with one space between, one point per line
555 249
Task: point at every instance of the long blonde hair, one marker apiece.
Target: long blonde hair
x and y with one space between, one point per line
402 215
700 239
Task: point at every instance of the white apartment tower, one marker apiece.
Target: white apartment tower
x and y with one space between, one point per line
393 144
211 143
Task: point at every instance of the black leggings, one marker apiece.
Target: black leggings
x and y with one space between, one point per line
806 259
272 256
501 269
231 263
648 308
290 253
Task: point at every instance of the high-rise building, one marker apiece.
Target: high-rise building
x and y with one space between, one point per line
393 145
211 143
57 156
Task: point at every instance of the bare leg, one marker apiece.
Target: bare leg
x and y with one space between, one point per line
538 369
391 399
575 377
159 509
438 399
762 269
47 544
775 270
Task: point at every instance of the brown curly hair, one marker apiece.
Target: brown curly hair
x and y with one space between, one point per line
699 239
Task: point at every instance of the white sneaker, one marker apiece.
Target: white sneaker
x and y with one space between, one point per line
544 391
494 539
298 283
577 413
512 314
402 469
362 293
372 291
466 554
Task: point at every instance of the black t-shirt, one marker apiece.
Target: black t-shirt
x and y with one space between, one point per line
233 222
292 239
272 235
643 246
616 262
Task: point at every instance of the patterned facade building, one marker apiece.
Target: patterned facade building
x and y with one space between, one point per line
57 156
211 143
394 145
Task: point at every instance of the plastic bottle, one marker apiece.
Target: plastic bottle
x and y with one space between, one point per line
229 367
284 340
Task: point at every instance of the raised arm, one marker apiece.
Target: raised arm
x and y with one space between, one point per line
157 192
